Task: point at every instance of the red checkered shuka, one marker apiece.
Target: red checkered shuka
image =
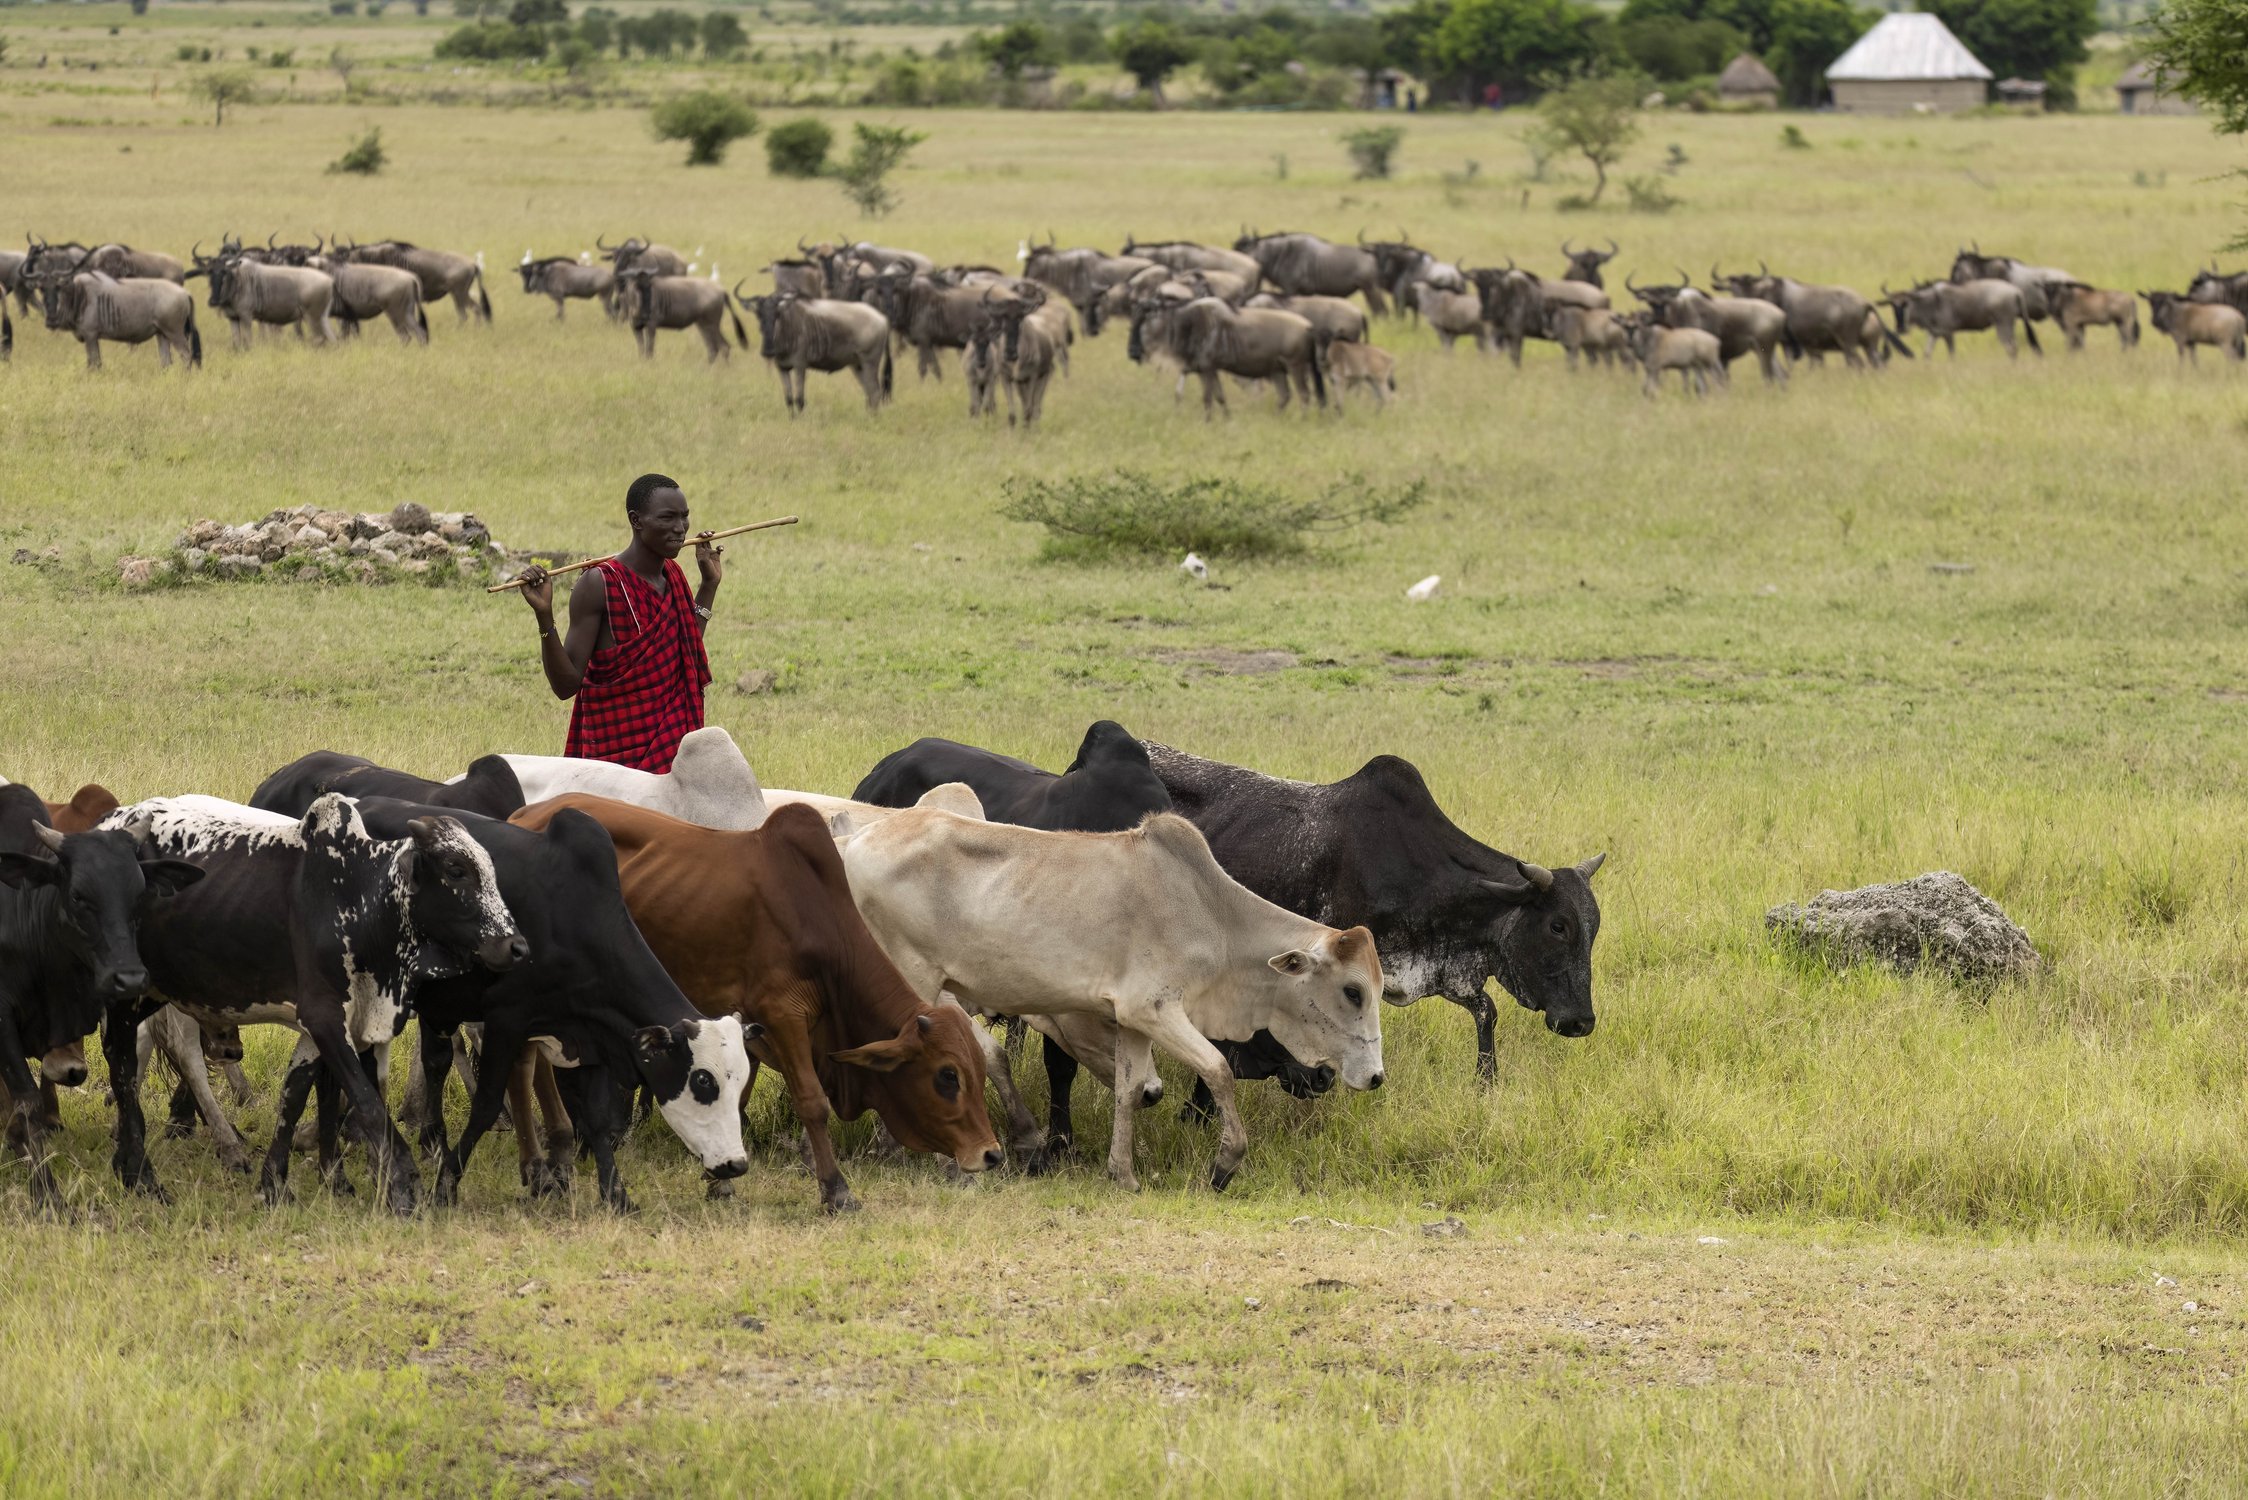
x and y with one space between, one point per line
644 694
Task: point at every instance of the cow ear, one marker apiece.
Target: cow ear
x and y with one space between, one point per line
168 877
879 1057
1294 961
652 1041
24 872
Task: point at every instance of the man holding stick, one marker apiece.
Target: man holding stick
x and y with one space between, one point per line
633 655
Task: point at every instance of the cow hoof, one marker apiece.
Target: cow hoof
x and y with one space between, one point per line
178 1130
840 1201
621 1203
1048 1159
1124 1179
445 1192
237 1162
339 1186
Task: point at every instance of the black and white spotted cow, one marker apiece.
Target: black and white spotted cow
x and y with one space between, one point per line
313 922
595 999
71 909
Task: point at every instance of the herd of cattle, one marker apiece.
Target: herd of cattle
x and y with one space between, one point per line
573 933
1274 307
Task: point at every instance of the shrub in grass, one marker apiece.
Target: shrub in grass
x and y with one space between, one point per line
799 148
1372 149
366 156
707 121
1128 512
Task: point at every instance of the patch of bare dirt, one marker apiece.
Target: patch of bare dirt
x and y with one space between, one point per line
1225 661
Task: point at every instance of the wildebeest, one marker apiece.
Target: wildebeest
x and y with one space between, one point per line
1332 317
489 786
122 262
760 924
1454 316
1360 367
1299 265
637 254
1211 340
71 909
1404 267
1584 265
931 316
2035 282
1080 275
2192 324
1028 352
802 278
91 307
13 264
368 291
1743 325
1448 912
563 277
1183 953
1820 319
800 334
709 782
654 303
979 368
1689 351
1108 787
2077 307
443 273
1187 255
2214 285
1595 334
315 922
1518 305
251 293
1946 309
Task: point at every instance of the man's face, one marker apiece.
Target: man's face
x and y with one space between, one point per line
662 525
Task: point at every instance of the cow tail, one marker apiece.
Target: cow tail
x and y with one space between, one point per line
1897 341
7 331
421 310
886 367
194 340
741 336
1319 345
483 299
2029 331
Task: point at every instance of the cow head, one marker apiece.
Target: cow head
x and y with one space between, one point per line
927 1083
697 1070
1325 1011
452 893
1536 932
101 887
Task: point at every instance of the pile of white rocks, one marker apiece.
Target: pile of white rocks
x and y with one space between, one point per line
313 543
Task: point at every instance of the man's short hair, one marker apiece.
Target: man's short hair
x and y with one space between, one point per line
644 489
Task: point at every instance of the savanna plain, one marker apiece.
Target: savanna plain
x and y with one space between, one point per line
1774 1228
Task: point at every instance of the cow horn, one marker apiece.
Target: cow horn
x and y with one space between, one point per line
1537 875
48 836
1591 867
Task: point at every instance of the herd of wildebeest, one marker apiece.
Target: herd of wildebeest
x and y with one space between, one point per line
576 934
1274 308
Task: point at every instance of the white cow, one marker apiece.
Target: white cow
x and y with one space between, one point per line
1139 929
845 817
710 781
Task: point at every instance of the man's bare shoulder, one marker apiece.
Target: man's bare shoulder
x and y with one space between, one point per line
590 594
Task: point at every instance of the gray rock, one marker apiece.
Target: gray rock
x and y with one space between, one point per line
136 572
411 517
1936 919
235 565
307 536
192 559
756 680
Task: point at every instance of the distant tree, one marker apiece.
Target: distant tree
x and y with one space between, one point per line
2201 48
799 148
1597 118
1018 45
596 30
1671 48
1372 149
707 121
1151 51
1807 36
1515 43
538 13
2026 38
722 34
1408 35
876 151
223 86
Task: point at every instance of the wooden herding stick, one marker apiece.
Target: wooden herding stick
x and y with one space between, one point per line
700 536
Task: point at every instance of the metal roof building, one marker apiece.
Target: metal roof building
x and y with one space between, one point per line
1910 63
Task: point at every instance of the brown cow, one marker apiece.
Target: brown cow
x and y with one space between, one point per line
760 924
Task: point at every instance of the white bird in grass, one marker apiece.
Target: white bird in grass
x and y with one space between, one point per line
1195 568
1425 590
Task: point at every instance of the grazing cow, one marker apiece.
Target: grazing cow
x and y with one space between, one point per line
1361 367
709 782
594 1000
314 922
845 817
1181 953
488 786
2077 307
2192 324
71 909
760 924
1374 850
1107 788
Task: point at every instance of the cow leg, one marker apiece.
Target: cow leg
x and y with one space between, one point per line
120 1029
597 1103
1061 1137
1023 1134
542 1157
1135 1065
392 1163
554 1120
1175 1034
1486 1017
181 1040
483 1109
296 1087
792 1054
25 1114
433 1058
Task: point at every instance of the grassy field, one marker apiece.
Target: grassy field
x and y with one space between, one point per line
1771 1230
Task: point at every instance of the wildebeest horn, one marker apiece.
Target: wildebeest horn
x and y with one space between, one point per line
1612 247
1630 285
1361 234
602 244
738 290
1684 280
1763 269
269 240
801 247
196 254
1714 278
1566 252
48 836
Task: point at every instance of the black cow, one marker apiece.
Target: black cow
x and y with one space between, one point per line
71 908
1107 789
1374 849
596 998
316 922
489 787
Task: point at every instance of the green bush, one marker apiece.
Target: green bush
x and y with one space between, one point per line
366 156
493 41
722 34
1372 147
1128 512
876 151
799 148
707 121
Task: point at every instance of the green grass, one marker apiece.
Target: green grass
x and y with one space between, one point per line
1703 637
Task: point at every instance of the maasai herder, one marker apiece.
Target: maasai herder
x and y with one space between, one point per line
633 655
